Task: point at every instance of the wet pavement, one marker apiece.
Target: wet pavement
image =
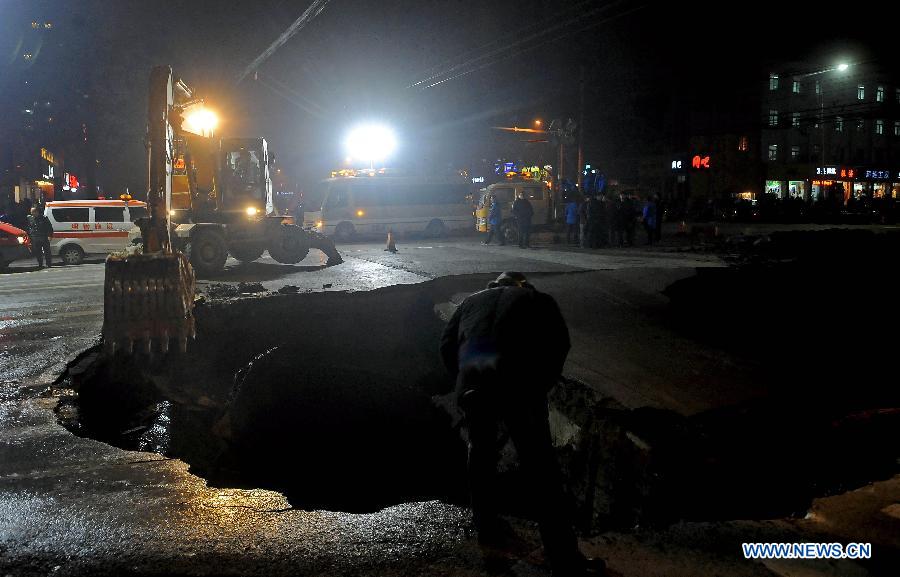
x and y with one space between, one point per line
71 505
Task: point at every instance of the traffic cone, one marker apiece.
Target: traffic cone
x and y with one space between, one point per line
391 247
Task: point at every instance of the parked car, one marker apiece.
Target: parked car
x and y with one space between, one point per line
98 227
14 244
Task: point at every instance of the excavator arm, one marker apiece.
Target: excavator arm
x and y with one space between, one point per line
148 297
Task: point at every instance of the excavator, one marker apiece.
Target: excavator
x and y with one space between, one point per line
206 199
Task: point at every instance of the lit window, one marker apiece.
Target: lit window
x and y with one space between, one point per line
744 144
773 82
879 94
773 152
897 92
795 119
795 87
773 118
897 128
818 87
861 92
838 124
795 153
879 127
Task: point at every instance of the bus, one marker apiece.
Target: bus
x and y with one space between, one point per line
355 206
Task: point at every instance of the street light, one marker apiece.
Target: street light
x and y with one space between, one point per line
371 142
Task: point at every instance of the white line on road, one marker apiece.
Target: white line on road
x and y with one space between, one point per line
49 287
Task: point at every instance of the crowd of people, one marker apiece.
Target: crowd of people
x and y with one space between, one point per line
591 221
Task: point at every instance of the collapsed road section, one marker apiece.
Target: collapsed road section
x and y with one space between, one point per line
339 401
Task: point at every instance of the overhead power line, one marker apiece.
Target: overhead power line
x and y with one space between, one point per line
531 42
311 12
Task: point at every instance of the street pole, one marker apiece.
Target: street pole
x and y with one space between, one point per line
580 165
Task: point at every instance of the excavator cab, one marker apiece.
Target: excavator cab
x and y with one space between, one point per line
245 184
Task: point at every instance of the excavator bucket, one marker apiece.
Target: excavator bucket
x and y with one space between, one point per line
147 298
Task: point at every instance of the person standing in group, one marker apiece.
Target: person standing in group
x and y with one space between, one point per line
648 217
40 231
614 215
572 233
523 211
628 215
495 221
584 222
506 347
660 214
597 222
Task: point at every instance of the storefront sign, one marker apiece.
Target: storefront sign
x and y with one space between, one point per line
826 171
676 165
848 173
877 174
700 161
47 164
70 182
477 179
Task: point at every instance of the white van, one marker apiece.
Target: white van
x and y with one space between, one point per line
506 192
91 227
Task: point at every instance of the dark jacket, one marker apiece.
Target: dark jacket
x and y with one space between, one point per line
511 339
495 213
522 209
39 227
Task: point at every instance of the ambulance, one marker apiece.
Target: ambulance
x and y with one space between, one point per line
91 227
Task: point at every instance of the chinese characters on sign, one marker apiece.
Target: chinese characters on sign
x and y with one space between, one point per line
700 161
878 175
826 171
676 165
89 226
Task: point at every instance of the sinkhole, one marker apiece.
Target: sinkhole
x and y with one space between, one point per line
339 401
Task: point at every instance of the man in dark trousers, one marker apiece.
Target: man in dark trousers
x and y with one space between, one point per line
506 347
40 230
523 211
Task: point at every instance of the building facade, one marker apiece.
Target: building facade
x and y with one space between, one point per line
831 135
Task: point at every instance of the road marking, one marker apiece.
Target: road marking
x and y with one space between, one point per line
49 287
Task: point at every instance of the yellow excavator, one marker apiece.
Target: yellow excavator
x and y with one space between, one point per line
207 199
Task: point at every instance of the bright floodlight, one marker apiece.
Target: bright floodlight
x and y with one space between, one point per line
371 142
202 121
843 66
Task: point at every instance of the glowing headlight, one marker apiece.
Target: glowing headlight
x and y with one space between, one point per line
319 224
21 239
360 213
252 210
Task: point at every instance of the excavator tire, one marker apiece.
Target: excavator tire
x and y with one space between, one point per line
207 251
288 244
326 245
246 252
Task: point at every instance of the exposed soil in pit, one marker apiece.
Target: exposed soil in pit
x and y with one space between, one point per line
328 397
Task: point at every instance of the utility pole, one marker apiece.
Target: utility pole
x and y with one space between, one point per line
580 165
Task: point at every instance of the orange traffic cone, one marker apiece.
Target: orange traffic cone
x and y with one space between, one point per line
391 247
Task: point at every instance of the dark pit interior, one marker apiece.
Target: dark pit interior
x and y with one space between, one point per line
329 398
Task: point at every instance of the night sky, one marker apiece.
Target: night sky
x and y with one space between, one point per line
356 61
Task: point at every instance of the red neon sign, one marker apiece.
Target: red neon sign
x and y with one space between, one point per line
700 161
